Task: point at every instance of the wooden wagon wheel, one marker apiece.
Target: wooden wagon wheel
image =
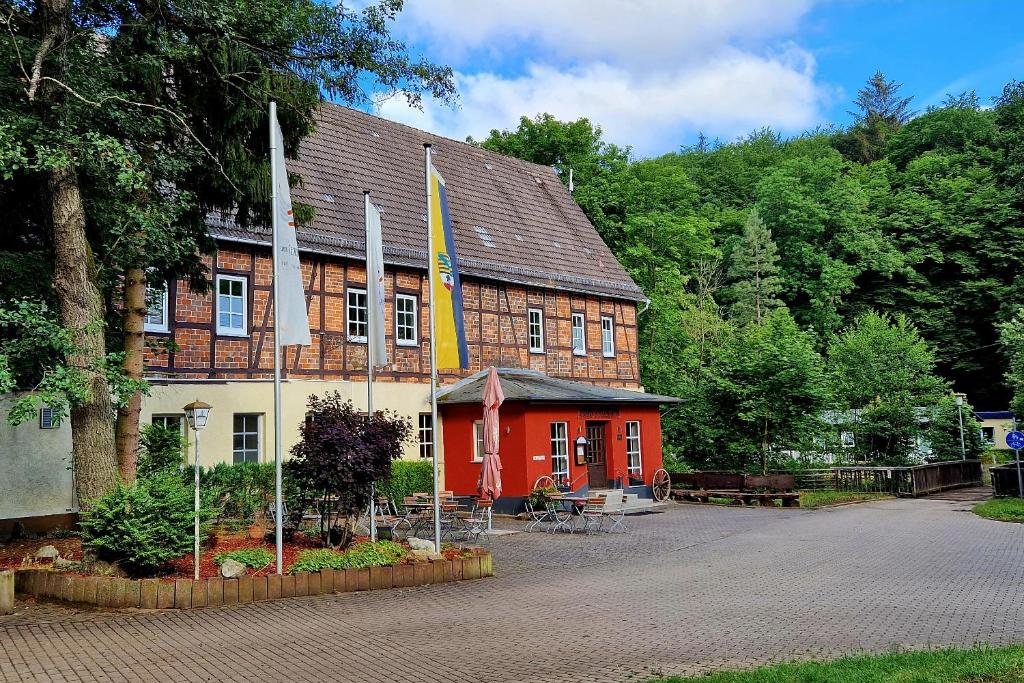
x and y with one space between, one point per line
544 482
661 485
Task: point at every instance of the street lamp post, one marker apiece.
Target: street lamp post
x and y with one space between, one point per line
960 412
197 413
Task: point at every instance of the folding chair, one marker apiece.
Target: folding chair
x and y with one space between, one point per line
537 516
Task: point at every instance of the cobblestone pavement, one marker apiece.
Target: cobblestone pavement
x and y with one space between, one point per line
687 590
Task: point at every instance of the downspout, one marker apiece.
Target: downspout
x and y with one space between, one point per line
647 304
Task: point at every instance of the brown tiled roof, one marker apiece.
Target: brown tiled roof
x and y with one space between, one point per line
514 221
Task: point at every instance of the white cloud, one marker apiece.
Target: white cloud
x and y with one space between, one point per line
730 95
633 32
651 73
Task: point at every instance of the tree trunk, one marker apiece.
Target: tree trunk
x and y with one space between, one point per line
134 312
81 311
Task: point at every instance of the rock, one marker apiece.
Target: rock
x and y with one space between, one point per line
420 555
420 544
60 564
47 552
232 569
435 556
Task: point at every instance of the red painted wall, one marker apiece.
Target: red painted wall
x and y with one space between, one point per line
526 433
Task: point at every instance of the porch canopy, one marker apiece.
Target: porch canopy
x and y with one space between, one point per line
530 385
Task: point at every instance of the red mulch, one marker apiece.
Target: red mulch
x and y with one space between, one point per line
182 567
16 554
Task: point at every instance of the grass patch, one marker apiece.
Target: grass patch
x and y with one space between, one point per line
359 556
979 665
1001 509
257 558
817 499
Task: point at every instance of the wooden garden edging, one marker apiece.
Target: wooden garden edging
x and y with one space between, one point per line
189 594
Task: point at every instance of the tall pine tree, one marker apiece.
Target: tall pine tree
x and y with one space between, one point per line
755 266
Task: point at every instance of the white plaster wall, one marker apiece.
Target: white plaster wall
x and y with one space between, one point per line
35 468
257 396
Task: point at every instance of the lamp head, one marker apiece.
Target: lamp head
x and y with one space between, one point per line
197 413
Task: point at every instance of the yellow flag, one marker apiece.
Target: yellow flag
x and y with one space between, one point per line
452 351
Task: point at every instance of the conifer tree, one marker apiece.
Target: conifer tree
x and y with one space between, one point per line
755 266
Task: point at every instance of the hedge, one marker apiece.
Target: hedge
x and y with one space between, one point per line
407 477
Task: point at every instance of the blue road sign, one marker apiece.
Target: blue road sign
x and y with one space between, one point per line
1015 440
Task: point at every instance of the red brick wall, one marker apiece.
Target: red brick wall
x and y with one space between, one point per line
494 313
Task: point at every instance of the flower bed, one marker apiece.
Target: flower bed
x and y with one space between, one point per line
183 593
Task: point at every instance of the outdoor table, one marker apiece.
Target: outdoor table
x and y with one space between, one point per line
572 503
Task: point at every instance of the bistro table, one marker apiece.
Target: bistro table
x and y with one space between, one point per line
571 503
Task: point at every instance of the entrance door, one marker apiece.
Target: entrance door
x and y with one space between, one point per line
597 470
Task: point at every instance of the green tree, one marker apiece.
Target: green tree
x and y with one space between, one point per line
882 375
944 429
755 267
879 112
768 389
1011 338
598 167
106 106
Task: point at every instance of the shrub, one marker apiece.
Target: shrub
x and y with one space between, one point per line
407 477
341 453
257 558
162 449
143 526
240 493
359 556
539 497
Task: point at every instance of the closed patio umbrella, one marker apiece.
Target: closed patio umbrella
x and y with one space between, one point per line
489 484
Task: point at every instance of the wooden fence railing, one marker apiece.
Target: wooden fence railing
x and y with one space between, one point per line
919 480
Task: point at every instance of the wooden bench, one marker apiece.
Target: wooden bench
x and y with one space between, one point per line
742 489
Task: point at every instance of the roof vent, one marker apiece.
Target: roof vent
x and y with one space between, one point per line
538 180
329 198
519 238
424 217
374 133
488 167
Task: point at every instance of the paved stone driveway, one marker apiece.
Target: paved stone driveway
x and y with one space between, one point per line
687 590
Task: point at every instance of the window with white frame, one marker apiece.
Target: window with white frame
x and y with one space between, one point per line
579 334
847 439
988 435
478 441
607 336
426 429
156 308
560 451
231 306
246 434
356 315
633 461
535 330
405 320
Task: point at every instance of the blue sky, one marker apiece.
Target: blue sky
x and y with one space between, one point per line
655 73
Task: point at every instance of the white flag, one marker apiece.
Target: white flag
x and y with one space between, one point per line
290 321
375 286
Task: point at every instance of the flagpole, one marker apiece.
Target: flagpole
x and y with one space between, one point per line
371 313
278 506
433 346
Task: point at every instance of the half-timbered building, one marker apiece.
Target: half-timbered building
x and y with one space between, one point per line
541 292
